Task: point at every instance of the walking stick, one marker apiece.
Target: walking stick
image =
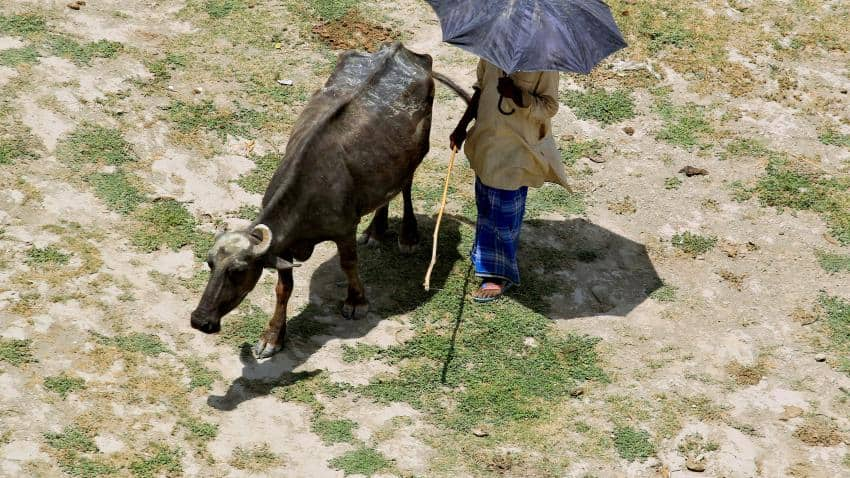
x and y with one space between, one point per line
440 219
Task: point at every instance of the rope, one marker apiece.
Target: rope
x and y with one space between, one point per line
439 220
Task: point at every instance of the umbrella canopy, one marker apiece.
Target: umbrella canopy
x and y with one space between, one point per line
532 35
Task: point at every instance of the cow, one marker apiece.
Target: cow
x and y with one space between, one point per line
355 147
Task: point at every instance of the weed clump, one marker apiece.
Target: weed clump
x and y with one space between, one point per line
48 255
12 149
572 151
694 244
23 25
833 263
837 314
257 180
164 223
19 56
199 375
601 106
334 431
83 54
256 459
633 444
363 461
145 344
683 125
359 352
834 138
16 352
117 191
157 460
554 199
64 385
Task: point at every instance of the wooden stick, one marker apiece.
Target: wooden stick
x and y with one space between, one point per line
439 220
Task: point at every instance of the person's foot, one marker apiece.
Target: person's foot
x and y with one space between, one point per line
490 290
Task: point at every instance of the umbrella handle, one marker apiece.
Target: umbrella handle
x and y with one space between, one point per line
501 110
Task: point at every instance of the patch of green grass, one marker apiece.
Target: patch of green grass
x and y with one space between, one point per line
48 255
672 183
694 244
837 314
834 138
695 445
83 54
256 459
96 144
683 125
833 263
248 212
359 352
793 184
363 461
80 466
145 344
740 192
223 8
16 352
665 293
204 116
554 199
744 147
158 460
22 25
572 151
257 180
199 430
19 56
332 9
164 223
12 149
72 438
63 384
198 281
117 191
161 68
244 327
334 431
600 105
633 444
199 375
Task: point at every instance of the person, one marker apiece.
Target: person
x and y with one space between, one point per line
510 147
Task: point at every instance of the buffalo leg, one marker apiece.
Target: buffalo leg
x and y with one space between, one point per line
374 234
356 306
272 339
409 237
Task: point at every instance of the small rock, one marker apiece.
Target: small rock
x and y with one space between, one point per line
81 3
597 160
198 90
820 358
629 130
690 171
74 6
285 82
170 88
697 465
568 138
480 433
791 412
577 392
844 91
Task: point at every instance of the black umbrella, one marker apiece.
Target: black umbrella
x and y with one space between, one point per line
532 35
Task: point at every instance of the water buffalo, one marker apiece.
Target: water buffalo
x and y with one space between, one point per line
355 146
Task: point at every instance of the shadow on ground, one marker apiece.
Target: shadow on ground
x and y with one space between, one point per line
570 269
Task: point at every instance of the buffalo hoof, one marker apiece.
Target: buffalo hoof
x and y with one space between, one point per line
264 350
355 311
407 248
369 240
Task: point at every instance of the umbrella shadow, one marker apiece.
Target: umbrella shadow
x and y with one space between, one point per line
570 269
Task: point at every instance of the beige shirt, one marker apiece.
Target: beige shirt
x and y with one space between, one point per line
508 152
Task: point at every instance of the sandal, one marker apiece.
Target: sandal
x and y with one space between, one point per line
490 286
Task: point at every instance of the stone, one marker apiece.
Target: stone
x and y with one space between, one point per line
820 358
790 412
480 433
629 130
695 464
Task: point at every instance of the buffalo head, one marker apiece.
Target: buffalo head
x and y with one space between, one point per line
236 262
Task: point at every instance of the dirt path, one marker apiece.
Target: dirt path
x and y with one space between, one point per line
668 325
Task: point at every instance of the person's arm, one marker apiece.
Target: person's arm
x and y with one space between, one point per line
543 101
458 136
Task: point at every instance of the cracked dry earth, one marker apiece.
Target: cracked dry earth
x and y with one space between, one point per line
669 326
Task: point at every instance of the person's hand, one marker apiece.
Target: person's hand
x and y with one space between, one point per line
457 138
508 89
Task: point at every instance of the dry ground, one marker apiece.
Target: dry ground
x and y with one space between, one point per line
667 325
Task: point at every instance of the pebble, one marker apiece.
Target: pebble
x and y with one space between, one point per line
170 88
820 358
480 433
790 413
74 6
285 82
198 90
629 130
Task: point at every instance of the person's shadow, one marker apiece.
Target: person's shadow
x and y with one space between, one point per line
569 269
